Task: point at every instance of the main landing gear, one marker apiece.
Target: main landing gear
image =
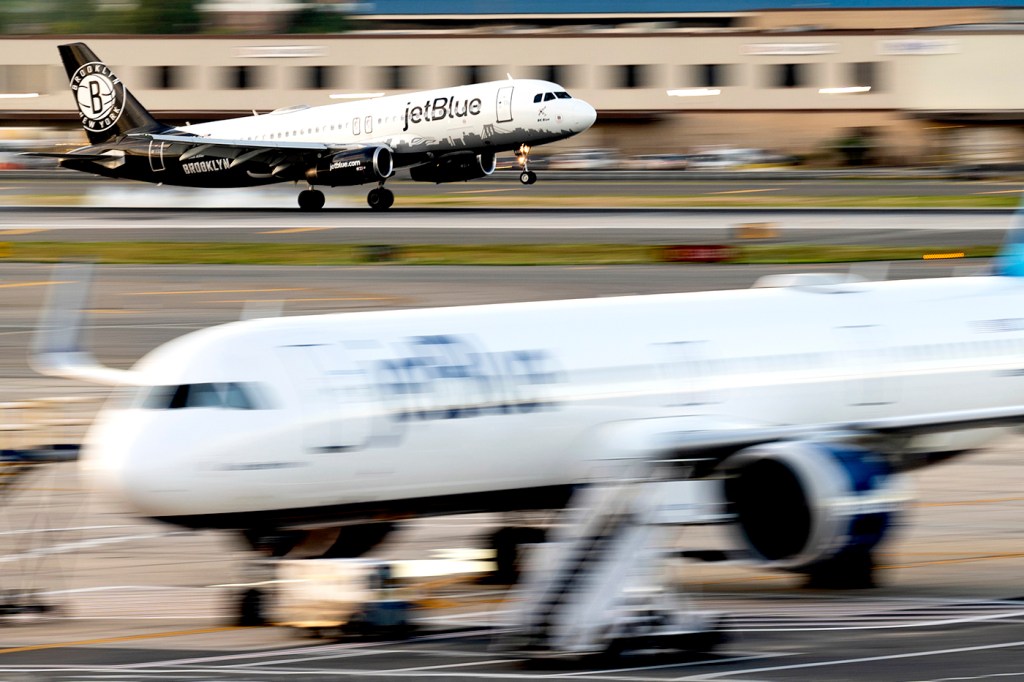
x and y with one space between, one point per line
527 177
380 198
311 200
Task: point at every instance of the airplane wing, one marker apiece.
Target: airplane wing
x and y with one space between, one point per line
271 153
699 442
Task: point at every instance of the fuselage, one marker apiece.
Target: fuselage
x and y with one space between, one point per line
378 411
482 118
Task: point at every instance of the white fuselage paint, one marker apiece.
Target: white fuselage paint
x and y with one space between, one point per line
495 115
383 406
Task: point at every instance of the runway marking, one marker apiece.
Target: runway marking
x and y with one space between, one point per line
315 649
63 530
867 659
719 661
293 230
748 191
82 544
114 640
441 666
211 291
16 285
1002 191
957 560
12 232
308 300
485 191
959 503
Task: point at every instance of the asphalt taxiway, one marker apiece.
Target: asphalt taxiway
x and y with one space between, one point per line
141 601
926 227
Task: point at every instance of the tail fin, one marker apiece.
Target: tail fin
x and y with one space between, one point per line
1010 259
106 107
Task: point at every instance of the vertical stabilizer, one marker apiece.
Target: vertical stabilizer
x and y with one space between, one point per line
106 107
1010 260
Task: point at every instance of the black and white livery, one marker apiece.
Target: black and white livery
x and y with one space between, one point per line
447 135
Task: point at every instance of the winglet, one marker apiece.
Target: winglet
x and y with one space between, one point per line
1010 259
57 349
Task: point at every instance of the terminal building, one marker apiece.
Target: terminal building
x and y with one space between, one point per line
927 82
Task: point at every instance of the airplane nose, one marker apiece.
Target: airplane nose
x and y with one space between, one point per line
585 115
113 463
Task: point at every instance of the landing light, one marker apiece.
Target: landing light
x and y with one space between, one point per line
852 90
694 92
356 95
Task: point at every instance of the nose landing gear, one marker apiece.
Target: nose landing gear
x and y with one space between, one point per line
527 177
380 198
311 200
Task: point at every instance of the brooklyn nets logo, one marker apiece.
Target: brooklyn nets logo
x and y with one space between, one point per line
99 94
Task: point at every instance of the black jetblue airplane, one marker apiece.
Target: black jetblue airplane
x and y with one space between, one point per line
446 135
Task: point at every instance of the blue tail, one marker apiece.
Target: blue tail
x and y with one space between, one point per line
1010 259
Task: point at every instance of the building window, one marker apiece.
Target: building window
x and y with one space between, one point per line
712 75
470 74
632 76
318 77
553 73
166 77
790 75
396 77
241 77
865 74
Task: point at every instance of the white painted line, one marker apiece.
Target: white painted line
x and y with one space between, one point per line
444 666
868 659
82 544
62 530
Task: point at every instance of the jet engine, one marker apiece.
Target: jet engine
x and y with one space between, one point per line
353 168
800 505
455 168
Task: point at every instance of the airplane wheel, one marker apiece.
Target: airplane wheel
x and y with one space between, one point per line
527 177
380 199
311 200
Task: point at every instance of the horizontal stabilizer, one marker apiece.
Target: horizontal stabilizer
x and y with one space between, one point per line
57 349
68 155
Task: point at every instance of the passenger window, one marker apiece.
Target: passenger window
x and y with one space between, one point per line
368 124
549 96
355 126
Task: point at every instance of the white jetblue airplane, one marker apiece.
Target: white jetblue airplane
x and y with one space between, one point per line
809 398
447 135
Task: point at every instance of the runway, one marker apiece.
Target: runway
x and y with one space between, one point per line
147 602
957 227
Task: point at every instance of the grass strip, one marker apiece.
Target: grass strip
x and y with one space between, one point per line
225 253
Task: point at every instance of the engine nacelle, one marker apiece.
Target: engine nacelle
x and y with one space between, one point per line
455 168
798 504
353 168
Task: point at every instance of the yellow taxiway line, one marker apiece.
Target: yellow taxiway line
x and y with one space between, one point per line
115 640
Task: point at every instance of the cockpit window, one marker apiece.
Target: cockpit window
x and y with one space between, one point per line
538 97
235 396
562 94
548 96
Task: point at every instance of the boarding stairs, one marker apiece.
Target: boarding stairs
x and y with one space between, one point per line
599 584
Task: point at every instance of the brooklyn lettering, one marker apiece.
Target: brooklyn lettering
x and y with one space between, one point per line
205 166
440 108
